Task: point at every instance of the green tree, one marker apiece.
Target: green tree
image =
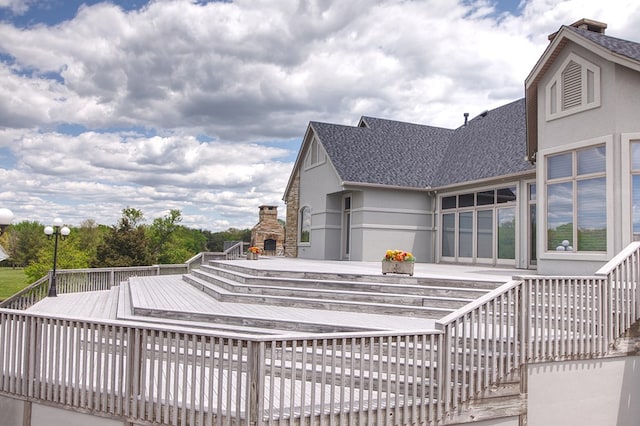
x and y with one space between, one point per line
70 256
90 235
160 234
216 240
26 239
125 244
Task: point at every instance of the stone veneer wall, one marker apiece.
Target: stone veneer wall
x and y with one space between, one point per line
291 227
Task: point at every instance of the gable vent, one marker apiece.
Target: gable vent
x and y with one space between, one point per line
572 86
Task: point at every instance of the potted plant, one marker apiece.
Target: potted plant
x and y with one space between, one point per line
253 252
398 262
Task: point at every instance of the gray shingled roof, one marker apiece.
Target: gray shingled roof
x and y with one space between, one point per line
490 145
627 48
385 152
411 155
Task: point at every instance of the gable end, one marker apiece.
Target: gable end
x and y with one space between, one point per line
574 88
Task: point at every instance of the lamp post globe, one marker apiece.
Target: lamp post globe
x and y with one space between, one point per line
6 217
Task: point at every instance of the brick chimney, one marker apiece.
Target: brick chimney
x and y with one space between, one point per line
585 24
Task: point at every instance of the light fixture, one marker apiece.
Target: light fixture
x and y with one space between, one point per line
6 217
57 230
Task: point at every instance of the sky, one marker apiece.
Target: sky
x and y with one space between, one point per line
201 106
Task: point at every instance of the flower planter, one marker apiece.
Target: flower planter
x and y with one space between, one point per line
252 256
395 267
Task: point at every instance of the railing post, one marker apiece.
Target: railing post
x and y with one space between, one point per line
254 392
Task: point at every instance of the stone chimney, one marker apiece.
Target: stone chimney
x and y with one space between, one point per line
585 24
268 234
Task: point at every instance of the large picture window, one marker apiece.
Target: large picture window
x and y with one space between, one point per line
576 213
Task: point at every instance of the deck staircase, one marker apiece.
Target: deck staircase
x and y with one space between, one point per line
403 296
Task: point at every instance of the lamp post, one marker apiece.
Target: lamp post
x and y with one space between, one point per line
6 216
57 230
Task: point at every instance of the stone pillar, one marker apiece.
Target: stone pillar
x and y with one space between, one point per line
291 227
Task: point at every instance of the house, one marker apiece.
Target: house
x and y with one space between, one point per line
544 182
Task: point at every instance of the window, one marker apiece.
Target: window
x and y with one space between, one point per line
576 213
574 88
635 191
305 224
315 154
480 226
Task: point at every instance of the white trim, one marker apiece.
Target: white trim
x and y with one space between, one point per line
392 227
391 210
543 253
626 187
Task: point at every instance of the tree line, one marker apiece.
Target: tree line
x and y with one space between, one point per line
130 242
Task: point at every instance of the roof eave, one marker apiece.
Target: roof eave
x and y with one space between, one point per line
490 180
351 185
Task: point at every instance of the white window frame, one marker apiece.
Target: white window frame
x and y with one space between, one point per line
301 224
626 186
495 207
554 89
543 252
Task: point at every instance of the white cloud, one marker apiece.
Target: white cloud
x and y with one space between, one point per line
237 75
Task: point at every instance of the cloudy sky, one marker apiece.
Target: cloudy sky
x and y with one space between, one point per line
201 105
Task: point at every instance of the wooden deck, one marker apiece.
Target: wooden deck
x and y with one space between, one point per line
168 299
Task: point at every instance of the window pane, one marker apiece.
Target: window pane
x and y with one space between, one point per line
448 234
533 246
506 194
635 208
592 215
449 202
507 233
486 198
532 192
465 237
591 160
485 234
559 166
465 200
635 155
559 215
305 225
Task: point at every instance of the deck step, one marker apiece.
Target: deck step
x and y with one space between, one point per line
225 295
486 285
467 291
318 290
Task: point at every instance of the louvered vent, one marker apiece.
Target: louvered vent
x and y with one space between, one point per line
572 86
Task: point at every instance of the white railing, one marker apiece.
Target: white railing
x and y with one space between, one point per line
482 344
173 376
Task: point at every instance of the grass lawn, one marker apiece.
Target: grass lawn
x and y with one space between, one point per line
11 281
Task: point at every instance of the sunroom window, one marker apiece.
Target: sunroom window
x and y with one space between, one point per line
576 200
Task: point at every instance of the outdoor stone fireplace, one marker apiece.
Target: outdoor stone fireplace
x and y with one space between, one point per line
268 234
